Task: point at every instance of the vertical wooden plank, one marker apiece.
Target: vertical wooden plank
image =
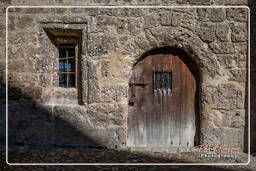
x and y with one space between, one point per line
176 100
172 107
191 108
140 102
165 117
151 104
183 105
169 105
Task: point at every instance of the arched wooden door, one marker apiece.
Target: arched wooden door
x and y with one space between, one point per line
161 103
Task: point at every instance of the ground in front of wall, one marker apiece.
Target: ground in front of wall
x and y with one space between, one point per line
18 154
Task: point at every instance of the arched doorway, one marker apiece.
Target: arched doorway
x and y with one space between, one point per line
163 100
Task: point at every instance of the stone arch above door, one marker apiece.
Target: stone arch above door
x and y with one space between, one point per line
201 52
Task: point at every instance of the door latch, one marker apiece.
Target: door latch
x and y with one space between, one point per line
132 99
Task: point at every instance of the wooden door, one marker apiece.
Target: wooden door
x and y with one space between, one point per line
161 103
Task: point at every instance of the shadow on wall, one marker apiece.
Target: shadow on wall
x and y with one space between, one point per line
2 113
31 123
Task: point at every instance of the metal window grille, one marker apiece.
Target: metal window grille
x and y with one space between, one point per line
67 65
162 80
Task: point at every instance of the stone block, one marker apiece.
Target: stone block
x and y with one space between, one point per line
16 66
15 53
131 26
105 68
239 32
241 48
59 96
203 14
31 92
206 31
223 32
231 119
224 96
73 19
93 83
104 115
166 19
231 137
222 48
229 61
151 20
42 64
29 79
134 26
102 24
168 36
106 20
121 25
99 45
44 80
114 92
183 19
237 14
237 75
17 38
142 42
217 14
25 22
237 119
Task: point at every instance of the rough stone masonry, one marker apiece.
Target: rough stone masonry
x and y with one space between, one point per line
113 39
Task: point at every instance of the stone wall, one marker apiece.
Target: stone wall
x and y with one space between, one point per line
113 39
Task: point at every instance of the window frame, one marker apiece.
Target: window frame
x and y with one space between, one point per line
66 59
61 34
60 40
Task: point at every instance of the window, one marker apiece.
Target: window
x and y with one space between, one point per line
162 80
68 43
67 65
